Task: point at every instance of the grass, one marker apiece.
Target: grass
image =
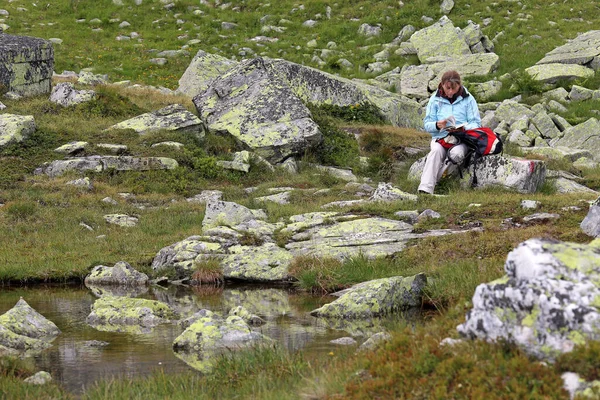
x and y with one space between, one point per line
44 241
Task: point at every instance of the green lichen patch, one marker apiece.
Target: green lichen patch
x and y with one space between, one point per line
24 320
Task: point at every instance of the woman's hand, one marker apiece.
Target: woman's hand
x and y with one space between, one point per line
441 124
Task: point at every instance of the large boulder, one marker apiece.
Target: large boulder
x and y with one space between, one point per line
584 136
466 65
227 213
124 314
591 223
547 302
66 95
524 176
15 128
439 39
375 298
203 69
317 87
105 163
171 118
180 256
259 110
26 65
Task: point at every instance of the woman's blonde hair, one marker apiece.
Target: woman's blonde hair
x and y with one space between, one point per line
452 77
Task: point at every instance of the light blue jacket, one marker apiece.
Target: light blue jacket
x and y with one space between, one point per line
464 109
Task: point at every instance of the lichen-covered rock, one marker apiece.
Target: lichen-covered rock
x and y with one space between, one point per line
181 255
466 65
270 304
303 221
20 344
121 274
124 314
583 136
439 39
26 65
375 341
259 110
66 95
414 80
210 336
551 73
247 316
279 198
257 263
89 78
591 223
581 50
105 163
39 378
15 128
510 111
375 298
486 90
121 220
226 213
203 69
524 176
171 118
71 147
548 301
564 185
386 192
317 87
24 320
340 173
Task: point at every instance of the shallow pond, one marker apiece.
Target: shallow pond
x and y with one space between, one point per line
77 358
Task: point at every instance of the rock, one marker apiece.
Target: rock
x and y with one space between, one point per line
199 344
546 303
530 204
84 183
466 65
579 93
171 144
414 81
121 274
264 263
544 123
225 213
89 78
39 378
369 30
540 218
551 73
112 148
340 173
104 163
2 106
121 220
524 176
279 198
15 128
26 65
66 95
584 136
511 111
581 50
408 216
428 214
405 33
171 118
180 256
446 6
314 86
386 192
439 39
203 69
564 185
375 298
249 101
247 316
375 341
591 223
235 166
486 90
72 148
23 320
344 341
124 314
206 196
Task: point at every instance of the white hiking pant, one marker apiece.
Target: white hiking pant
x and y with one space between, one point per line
435 164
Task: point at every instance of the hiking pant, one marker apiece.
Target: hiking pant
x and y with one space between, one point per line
435 164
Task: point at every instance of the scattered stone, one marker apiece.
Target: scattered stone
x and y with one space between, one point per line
344 341
171 118
375 341
121 220
121 274
206 196
84 183
530 204
15 128
39 378
72 148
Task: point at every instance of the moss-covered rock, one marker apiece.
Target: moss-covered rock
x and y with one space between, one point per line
106 163
26 65
375 298
203 69
122 314
257 263
121 274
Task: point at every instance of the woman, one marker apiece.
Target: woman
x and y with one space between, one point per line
451 99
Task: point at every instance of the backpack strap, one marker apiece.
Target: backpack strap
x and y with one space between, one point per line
476 158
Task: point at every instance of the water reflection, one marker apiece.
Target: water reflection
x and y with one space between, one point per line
81 355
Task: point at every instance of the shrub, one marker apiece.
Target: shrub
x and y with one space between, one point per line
525 84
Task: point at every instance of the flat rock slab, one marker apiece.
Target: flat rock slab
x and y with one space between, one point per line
203 69
105 163
171 118
375 298
15 128
257 263
584 136
551 73
580 50
547 302
259 110
26 65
